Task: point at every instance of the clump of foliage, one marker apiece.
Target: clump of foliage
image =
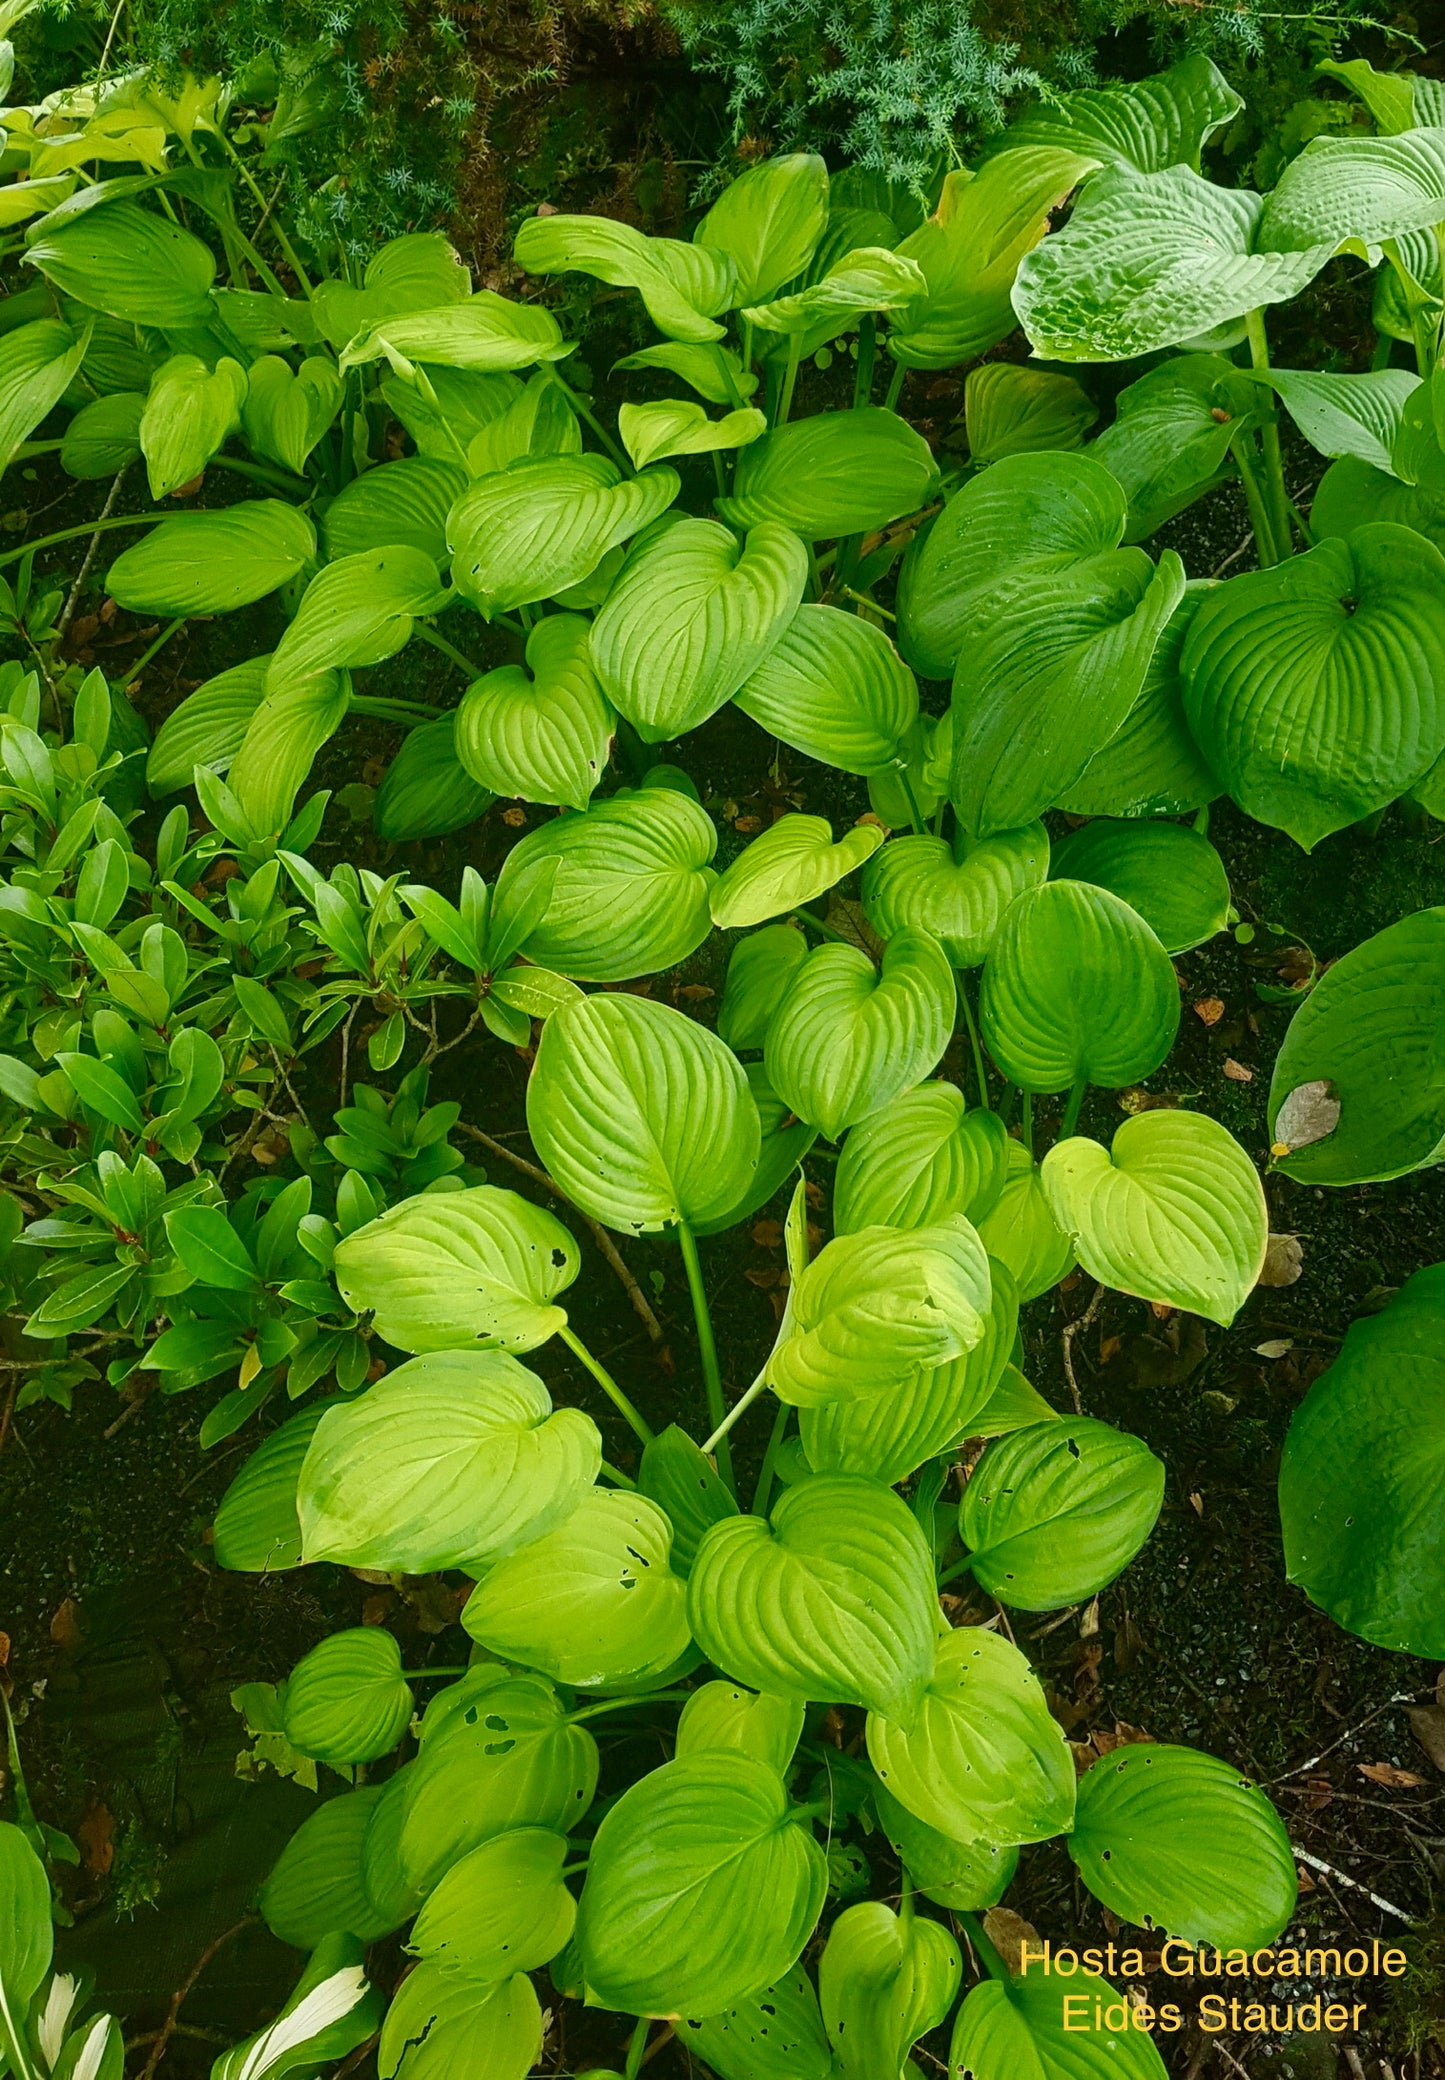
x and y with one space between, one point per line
984 638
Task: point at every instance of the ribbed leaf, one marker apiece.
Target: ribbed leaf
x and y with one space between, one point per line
543 731
1346 415
190 413
104 435
769 221
212 563
38 363
355 612
426 790
922 1157
1169 873
257 1529
484 334
1010 410
315 1889
759 970
1150 124
526 533
1009 2027
683 286
1054 1512
1151 766
1350 494
287 410
402 502
1357 191
835 689
132 263
502 1909
772 2033
867 278
883 1982
793 861
715 372
959 1875
346 1700
833 473
677 426
1020 1232
958 893
285 732
1172 434
441 2025
208 728
759 1723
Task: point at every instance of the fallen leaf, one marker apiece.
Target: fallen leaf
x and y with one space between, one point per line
94 1835
1089 1622
768 1234
1109 1347
1161 1310
696 992
1128 1644
376 1608
4 1650
1284 1260
1123 1736
1137 1099
1210 1009
1427 1723
514 818
1304 1882
1389 1776
1236 1071
437 1603
1196 1503
1310 1113
1008 1932
763 1276
1276 1347
747 824
1320 1793
64 1628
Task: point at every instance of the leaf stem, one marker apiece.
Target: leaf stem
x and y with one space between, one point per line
785 401
895 387
605 1380
1028 1123
867 357
618 1478
707 1348
915 814
71 534
620 1704
1269 437
258 473
439 642
951 1574
146 655
974 1041
584 411
740 1407
988 1956
1071 1110
637 2048
763 1491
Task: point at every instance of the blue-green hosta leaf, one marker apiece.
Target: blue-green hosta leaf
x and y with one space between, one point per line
658 1923
834 473
890 1434
427 791
131 263
692 615
404 502
677 426
714 371
286 730
922 1157
442 2026
632 885
794 860
257 1529
1356 192
769 221
592 1603
208 728
643 1116
1020 1231
357 611
460 1271
683 286
1006 2028
833 1602
455 1459
191 412
1150 124
969 252
759 970
1151 766
869 278
528 532
1052 1513
485 335
1363 1476
212 563
760 1723
1077 987
346 1700
502 1909
1149 260
962 1876
1345 415
542 731
1169 873
286 411
314 1888
835 689
876 1307
1172 434
104 435
884 1982
848 1036
773 2033
1172 1839
38 363
982 1760
1317 689
1174 1212
958 893
1010 410
1368 1037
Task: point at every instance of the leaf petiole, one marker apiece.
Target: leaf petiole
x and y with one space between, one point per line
605 1380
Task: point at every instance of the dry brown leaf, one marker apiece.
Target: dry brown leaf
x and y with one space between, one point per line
94 1835
1427 1723
1210 1009
1109 1347
695 992
763 1276
1236 1071
1008 1932
747 824
4 1650
514 818
767 1233
1196 1503
1389 1777
1305 1882
64 1626
1284 1260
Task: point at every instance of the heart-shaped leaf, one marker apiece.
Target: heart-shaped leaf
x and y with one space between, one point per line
1053 1513
358 611
683 286
867 278
212 563
104 435
1172 435
759 1723
190 413
768 222
1173 1839
315 1888
834 473
502 1909
917 1160
460 1271
1174 1212
658 1926
847 1036
714 371
1293 685
441 2023
1010 410
1356 192
1346 415
1149 124
1020 1231
691 617
426 790
1151 766
793 861
962 1876
402 502
346 1700
484 334
285 731
773 2033
1008 2027
543 731
529 532
1076 989
759 970
884 1981
983 1759
958 893
286 411
677 426
1170 874
833 1602
835 689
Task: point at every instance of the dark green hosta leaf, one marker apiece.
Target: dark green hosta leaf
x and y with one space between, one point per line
592 1603
1362 1481
659 1925
1294 688
768 222
1054 1512
1174 1212
922 1157
1356 192
1010 410
758 1723
460 1270
1173 1839
632 887
257 1529
427 791
775 2033
962 1876
1020 1231
346 1701
1170 874
542 731
502 1909
957 892
793 861
357 611
833 1602
1171 438
441 2025
1369 1033
835 689
1150 260
315 1887
686 1487
884 1981
1150 124
835 473
683 286
1346 415
37 365
691 617
1077 987
1151 766
1006 2028
208 728
131 263
191 412
759 970
983 1760
847 1036
212 563
455 1459
404 503
643 1116
529 532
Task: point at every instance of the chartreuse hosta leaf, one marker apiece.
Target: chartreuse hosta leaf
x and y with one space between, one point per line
208 728
211 563
759 970
402 502
1077 989
875 1307
1051 1514
257 1530
356 611
346 1700
685 1485
834 473
692 615
1173 1839
426 790
632 885
104 435
658 1924
1368 1038
890 1434
1170 874
982 1760
714 371
785 1141
529 532
454 1459
1149 260
544 730
460 1270
315 1887
959 1875
794 860
288 727
834 1600
440 2023
1363 1476
539 421
1008 2027
485 334
835 689
773 2033
1172 434
922 1157
1356 192
768 222
190 413
884 1981
1020 1232
957 892
1013 1405
38 363
848 1036
502 1909
593 1602
868 278
287 410
1010 410
683 286
1151 766
1152 123
678 426
132 263
1296 687
1174 1212
643 1116
759 1723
